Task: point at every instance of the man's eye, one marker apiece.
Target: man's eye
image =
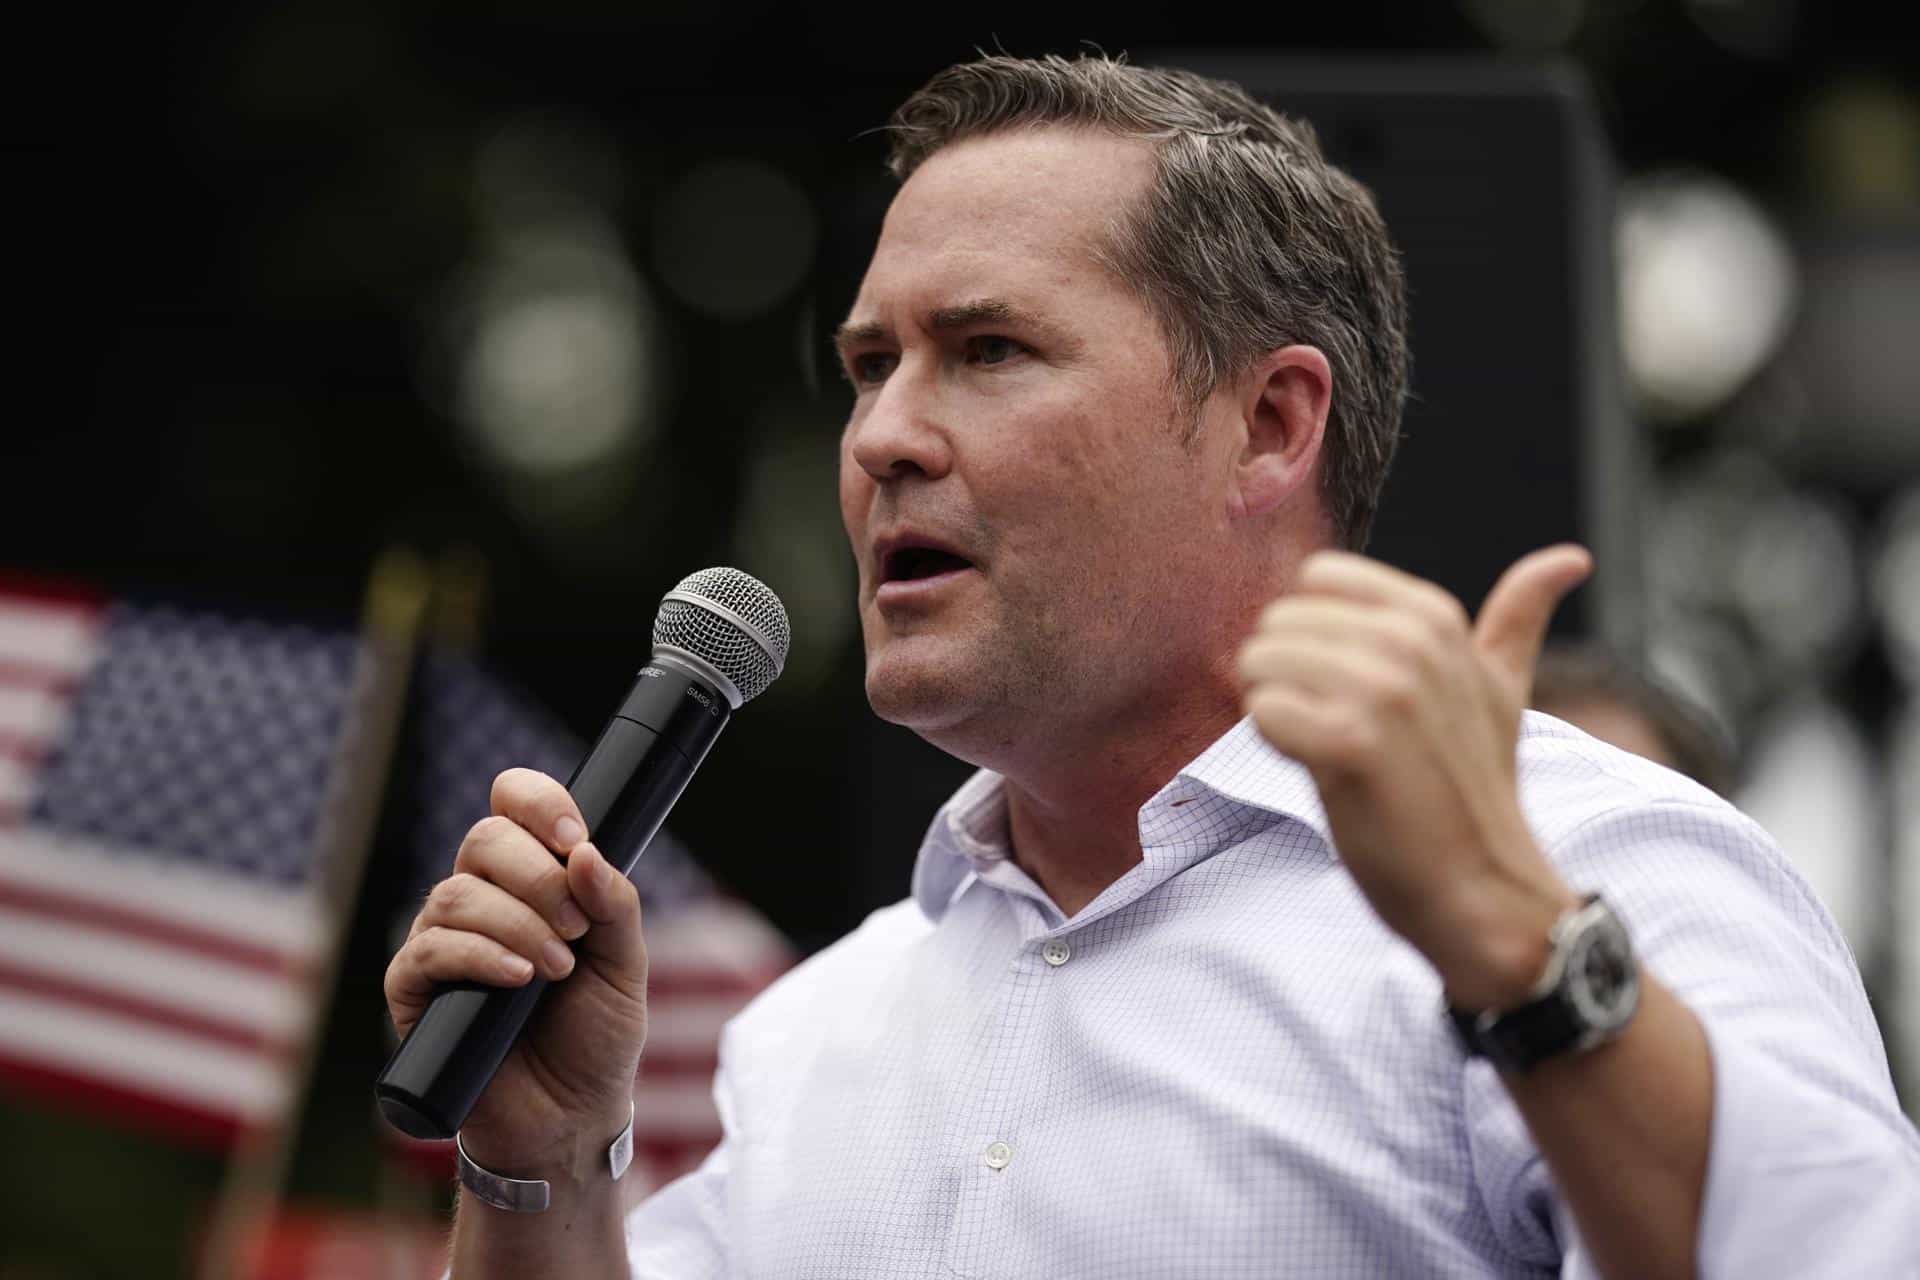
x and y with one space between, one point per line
993 350
872 367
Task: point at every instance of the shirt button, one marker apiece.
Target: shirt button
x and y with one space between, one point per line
999 1155
1056 952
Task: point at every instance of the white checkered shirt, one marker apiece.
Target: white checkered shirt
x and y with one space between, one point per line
1225 1065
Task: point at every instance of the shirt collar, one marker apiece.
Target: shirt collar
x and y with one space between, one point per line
1239 770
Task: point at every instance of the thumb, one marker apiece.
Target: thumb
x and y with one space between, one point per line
612 905
1513 621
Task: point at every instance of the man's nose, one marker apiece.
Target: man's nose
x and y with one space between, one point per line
897 434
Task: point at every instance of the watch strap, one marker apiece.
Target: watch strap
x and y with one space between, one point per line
532 1195
1514 1040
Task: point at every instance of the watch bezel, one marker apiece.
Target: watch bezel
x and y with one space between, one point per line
1601 1016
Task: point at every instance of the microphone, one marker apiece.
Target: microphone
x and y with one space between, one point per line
719 639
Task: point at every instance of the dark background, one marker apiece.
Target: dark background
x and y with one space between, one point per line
237 235
231 227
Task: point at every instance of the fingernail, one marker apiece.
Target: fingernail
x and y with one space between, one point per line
517 968
570 919
568 832
559 956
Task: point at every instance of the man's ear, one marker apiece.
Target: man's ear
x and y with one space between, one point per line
1284 406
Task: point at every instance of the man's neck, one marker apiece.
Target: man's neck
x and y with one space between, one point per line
1074 826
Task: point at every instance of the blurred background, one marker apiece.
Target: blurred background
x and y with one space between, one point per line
400 357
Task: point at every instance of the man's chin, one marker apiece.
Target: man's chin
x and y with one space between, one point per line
914 701
910 685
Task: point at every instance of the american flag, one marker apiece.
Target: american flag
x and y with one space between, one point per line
164 779
708 953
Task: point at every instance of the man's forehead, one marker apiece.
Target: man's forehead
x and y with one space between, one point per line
1041 189
1019 219
945 286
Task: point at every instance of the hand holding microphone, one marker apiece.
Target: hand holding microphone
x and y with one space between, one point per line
500 923
546 870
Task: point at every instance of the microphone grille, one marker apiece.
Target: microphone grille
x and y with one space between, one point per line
732 622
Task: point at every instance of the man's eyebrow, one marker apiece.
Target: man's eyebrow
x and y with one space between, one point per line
853 335
963 315
981 311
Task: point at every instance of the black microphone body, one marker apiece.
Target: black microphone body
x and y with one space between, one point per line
624 787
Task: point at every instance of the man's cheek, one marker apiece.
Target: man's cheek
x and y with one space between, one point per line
853 518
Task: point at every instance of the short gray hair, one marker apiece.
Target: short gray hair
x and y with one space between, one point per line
1248 239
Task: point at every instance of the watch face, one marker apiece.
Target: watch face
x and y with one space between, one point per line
1602 981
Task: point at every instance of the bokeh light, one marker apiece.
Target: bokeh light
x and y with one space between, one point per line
1753 582
535 167
1860 145
1812 781
1854 350
1707 290
554 368
1795 581
733 238
789 530
547 350
1895 584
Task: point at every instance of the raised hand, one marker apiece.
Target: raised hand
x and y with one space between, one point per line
1406 712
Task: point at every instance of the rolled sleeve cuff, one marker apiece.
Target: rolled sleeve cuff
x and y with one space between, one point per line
1800 1180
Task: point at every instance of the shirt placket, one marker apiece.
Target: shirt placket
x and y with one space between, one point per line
987 1131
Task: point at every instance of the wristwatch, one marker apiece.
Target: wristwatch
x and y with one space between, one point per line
1585 996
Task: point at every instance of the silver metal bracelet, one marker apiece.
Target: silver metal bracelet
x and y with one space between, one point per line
532 1195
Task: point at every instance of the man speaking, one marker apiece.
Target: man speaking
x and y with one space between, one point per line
1272 938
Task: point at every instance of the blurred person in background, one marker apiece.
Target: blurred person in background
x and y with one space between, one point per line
1607 697
1306 953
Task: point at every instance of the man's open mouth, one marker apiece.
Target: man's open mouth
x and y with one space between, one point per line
910 564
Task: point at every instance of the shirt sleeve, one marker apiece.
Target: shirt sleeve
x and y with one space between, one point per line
1812 1170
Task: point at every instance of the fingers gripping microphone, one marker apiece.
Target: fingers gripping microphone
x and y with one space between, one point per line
719 639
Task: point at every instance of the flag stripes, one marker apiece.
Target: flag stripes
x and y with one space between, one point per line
161 779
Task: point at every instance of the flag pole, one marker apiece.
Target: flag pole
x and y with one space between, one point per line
455 623
396 599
